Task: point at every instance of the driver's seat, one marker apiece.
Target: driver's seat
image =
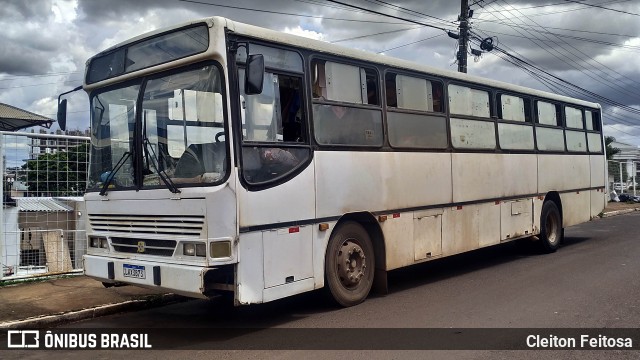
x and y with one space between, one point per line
198 159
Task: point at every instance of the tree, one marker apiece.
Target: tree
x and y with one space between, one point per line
610 150
63 173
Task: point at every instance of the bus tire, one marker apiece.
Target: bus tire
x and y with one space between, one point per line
349 264
551 231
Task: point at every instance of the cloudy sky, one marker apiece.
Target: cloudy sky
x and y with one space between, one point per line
595 44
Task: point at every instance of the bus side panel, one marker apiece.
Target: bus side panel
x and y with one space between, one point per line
320 241
428 234
598 202
470 227
399 242
487 176
516 218
563 172
598 198
576 207
597 170
250 277
376 181
293 200
286 250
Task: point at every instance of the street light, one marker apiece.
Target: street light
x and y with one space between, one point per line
9 179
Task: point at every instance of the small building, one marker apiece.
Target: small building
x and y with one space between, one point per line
43 235
628 155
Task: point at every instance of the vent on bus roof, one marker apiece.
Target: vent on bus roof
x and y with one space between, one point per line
176 225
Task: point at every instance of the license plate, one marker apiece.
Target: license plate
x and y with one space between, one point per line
133 271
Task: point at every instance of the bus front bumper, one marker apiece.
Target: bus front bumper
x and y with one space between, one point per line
179 279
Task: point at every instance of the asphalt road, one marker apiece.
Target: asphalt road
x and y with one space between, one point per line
591 282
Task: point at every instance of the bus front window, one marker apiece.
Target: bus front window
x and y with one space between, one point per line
179 128
113 122
183 128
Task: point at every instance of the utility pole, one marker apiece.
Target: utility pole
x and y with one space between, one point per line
464 33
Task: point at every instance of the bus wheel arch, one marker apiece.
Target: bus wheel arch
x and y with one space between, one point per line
360 235
551 223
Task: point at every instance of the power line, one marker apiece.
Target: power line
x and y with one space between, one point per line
414 11
567 60
553 81
54 83
557 28
560 11
284 13
383 14
541 72
604 8
18 77
376 34
604 81
560 3
411 43
593 41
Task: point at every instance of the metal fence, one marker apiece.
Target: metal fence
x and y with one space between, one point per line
623 176
42 228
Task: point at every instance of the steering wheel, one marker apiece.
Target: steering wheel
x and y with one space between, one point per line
218 135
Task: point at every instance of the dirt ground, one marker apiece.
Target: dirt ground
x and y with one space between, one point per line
613 206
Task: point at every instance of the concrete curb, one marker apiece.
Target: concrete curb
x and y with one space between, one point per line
619 212
90 313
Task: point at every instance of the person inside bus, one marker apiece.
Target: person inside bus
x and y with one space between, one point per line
344 125
291 123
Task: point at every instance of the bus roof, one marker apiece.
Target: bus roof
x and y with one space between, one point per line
332 49
328 48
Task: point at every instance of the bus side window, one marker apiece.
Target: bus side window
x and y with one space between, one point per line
319 80
390 90
291 110
273 128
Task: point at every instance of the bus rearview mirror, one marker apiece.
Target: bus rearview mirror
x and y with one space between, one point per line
62 114
254 75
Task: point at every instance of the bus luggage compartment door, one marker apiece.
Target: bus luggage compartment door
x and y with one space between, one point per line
427 227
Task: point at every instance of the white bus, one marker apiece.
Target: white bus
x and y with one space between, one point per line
231 158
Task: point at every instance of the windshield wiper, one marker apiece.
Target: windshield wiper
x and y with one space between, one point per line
113 172
148 148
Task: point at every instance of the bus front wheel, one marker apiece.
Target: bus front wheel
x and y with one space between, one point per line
349 264
550 227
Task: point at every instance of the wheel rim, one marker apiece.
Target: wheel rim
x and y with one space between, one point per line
352 263
551 227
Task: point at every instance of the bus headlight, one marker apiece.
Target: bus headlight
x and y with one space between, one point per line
98 242
189 249
220 249
194 249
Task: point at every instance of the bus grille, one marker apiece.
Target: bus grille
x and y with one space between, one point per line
174 225
143 246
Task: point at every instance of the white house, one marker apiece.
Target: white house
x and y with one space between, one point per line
628 155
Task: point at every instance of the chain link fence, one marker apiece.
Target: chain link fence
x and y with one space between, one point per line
42 217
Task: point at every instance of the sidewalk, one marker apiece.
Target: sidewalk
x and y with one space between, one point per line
619 208
60 300
51 302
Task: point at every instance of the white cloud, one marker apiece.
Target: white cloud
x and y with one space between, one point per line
305 33
64 11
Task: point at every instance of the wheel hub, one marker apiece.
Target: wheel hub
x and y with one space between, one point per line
351 263
551 227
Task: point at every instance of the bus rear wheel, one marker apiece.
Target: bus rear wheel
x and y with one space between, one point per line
550 227
349 264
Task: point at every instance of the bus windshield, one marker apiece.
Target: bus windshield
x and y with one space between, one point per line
180 129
